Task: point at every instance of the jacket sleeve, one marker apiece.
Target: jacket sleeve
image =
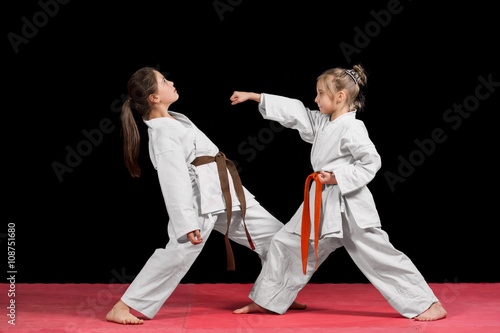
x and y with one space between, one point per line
290 113
367 161
175 184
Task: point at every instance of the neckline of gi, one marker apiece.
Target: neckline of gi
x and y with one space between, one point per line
345 115
178 120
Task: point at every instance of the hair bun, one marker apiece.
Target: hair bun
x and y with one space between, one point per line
362 74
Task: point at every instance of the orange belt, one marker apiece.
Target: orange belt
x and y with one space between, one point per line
306 219
224 164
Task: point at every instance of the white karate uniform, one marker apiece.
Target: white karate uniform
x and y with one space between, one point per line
194 200
349 217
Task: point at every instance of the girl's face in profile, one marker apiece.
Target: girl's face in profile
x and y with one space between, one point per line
166 90
325 103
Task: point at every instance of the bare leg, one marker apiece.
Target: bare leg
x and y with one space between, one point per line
120 313
434 312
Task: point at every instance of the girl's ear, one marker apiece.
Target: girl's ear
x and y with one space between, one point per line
341 97
153 99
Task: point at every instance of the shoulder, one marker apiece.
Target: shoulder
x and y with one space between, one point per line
356 125
350 123
355 130
167 128
169 135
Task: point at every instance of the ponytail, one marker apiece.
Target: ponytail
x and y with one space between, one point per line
359 100
131 140
140 85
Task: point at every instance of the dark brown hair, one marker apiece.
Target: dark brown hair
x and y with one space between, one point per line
336 79
140 85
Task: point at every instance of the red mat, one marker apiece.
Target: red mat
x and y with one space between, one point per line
78 308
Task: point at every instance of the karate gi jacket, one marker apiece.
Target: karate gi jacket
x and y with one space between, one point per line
188 191
341 146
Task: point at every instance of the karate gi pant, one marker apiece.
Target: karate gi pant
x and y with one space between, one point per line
166 267
388 269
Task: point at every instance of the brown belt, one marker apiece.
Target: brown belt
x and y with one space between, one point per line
224 164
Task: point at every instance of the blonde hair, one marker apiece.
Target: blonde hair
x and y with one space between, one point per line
337 79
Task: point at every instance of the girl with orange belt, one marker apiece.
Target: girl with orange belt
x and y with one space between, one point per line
339 204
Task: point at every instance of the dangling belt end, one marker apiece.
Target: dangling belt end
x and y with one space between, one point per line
306 220
224 165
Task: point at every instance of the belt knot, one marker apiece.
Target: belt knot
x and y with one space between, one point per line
224 165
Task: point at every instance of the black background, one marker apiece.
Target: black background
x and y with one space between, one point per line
100 225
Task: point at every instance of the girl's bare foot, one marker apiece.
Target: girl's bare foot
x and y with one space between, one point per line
253 308
297 306
120 313
435 312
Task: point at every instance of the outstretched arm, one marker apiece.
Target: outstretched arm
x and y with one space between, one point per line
288 112
241 96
